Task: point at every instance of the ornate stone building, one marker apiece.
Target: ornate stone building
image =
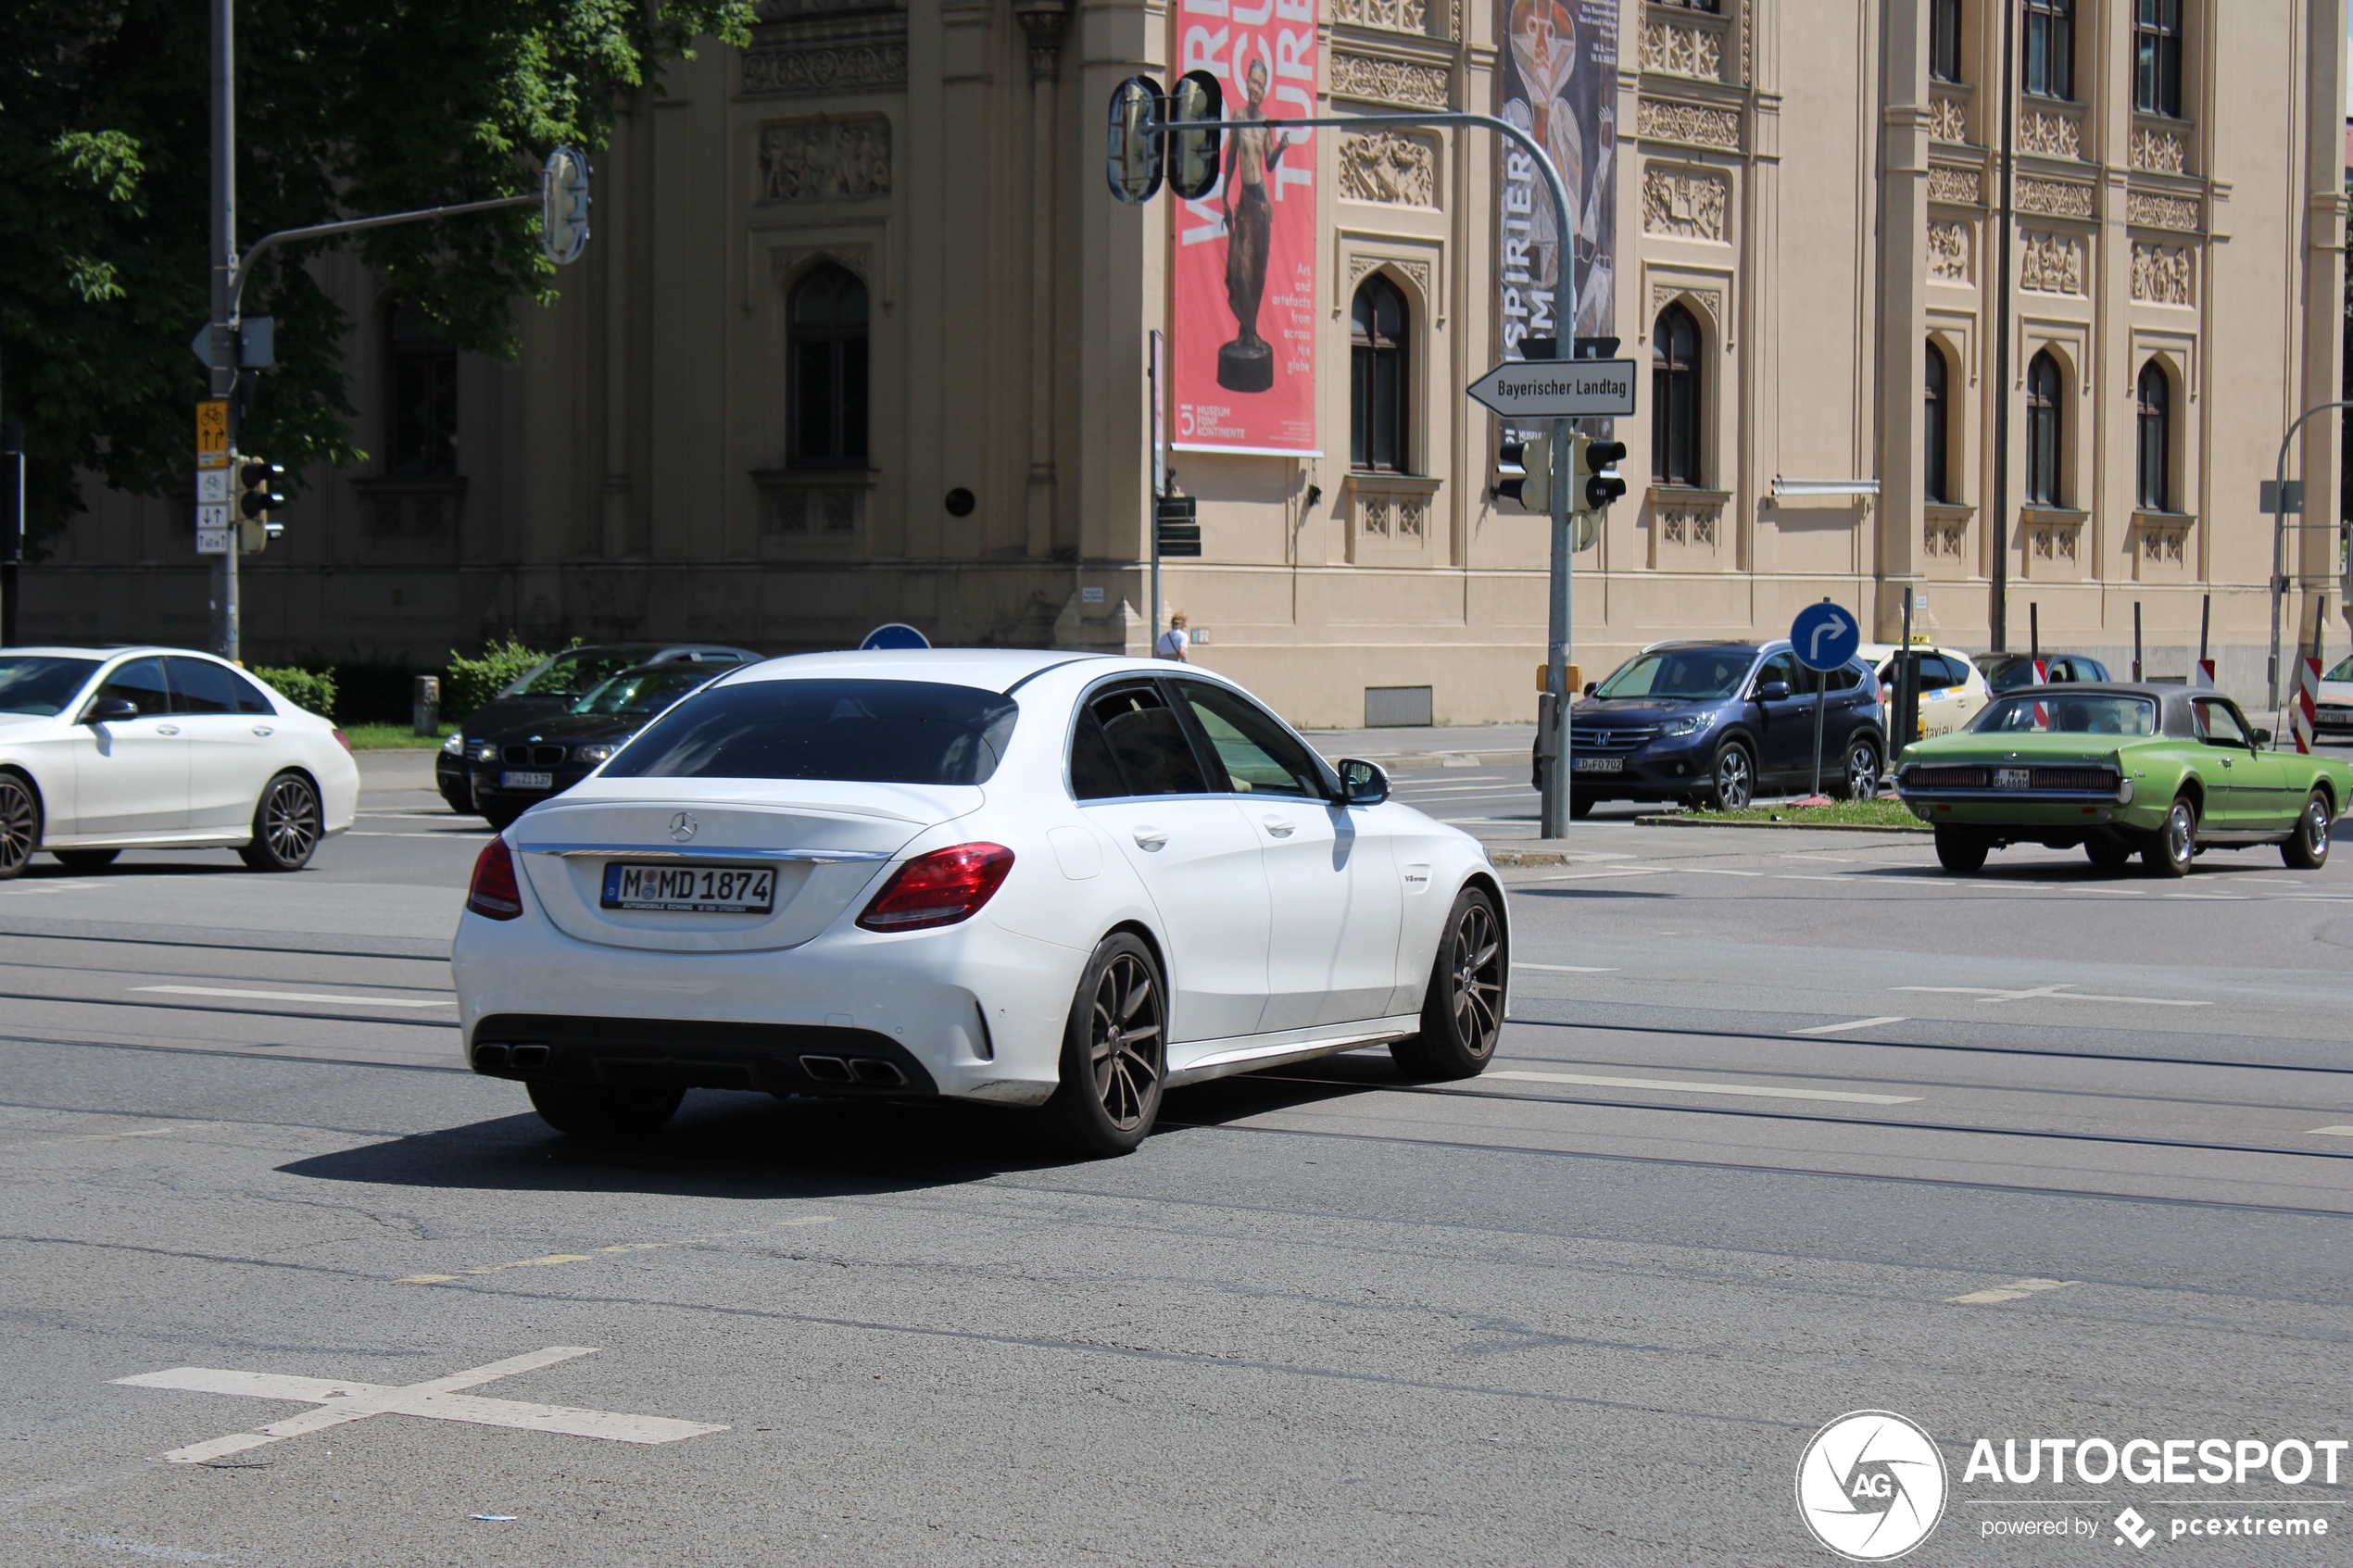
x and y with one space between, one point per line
861 336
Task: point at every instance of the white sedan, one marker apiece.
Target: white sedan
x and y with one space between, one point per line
107 749
1026 878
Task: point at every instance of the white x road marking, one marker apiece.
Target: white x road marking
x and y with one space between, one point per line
2053 993
437 1400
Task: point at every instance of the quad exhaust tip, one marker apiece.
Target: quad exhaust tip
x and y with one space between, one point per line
497 1058
870 1071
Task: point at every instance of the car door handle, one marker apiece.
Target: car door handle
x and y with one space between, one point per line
2226 761
263 730
1282 827
167 729
1150 840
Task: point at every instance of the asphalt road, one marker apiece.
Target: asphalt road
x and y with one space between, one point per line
1785 1125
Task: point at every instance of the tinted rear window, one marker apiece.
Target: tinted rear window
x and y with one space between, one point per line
870 731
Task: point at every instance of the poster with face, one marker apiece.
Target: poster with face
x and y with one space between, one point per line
1559 82
1243 336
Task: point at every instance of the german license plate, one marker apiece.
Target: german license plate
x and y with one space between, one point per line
526 781
1597 764
2013 778
689 890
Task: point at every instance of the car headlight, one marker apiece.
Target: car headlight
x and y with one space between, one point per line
1691 726
454 746
592 753
485 751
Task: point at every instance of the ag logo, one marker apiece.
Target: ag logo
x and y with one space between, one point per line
1870 1486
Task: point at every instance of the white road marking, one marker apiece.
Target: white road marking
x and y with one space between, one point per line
1587 876
1682 1085
419 816
436 1399
33 889
2009 1292
374 832
1841 1028
2052 993
2210 897
2335 1131
1826 859
1568 968
299 995
593 1253
1711 871
109 1137
2269 881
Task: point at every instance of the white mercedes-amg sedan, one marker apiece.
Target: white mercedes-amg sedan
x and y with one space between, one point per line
107 749
1019 877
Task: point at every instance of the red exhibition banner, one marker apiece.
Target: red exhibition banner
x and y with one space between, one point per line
1242 338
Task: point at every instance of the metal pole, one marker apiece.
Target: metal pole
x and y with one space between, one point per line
1554 822
2035 630
12 527
224 270
1907 679
1160 479
2136 639
1821 686
2279 536
1999 521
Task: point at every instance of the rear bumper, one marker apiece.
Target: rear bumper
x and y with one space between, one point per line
782 1059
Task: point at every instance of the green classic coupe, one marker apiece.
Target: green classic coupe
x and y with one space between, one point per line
2160 771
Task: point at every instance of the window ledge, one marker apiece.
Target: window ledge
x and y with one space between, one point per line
1949 510
1375 479
2145 518
2052 516
1688 495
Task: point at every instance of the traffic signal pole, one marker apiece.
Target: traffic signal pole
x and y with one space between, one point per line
224 271
1555 806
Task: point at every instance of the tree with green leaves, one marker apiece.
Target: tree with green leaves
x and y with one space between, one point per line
344 109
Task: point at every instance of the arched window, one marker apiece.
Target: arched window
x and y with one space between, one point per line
2050 47
1937 429
2156 58
421 394
1675 398
2042 391
2155 448
828 394
1377 379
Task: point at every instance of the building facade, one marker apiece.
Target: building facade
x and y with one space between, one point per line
863 336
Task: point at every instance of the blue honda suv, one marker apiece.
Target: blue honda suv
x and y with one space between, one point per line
1713 723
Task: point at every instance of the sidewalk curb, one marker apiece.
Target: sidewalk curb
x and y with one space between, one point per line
1794 827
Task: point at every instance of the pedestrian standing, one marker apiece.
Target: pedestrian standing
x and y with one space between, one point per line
1174 641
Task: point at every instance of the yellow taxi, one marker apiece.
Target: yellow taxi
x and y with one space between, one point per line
1953 689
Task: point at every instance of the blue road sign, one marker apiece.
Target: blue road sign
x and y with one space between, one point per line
1824 636
895 634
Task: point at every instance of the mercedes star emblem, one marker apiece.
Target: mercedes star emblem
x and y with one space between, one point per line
683 826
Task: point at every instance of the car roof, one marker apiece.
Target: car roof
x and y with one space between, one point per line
994 668
102 652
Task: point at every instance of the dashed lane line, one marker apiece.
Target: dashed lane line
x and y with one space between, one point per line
2013 1291
1841 1028
1687 1086
554 1259
1568 968
2335 1132
2063 993
300 996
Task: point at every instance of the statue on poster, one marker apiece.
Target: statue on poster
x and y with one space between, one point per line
1247 364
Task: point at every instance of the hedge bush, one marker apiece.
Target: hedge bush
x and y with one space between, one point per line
472 681
311 690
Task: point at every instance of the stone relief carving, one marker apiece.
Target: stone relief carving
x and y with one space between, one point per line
1388 81
1711 301
1948 252
2050 136
2160 152
1693 527
2164 544
1963 187
1944 537
825 68
2147 209
2054 541
1397 16
1659 119
1690 203
1948 120
1384 167
2060 198
1402 518
2050 263
812 511
1682 51
1418 271
785 262
824 160
2161 273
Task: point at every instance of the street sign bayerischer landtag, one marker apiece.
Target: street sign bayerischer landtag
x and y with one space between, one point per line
1558 389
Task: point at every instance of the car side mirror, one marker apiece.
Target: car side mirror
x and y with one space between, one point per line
1592 687
1363 783
1772 691
2262 738
109 710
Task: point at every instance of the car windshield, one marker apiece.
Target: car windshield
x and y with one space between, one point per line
2070 715
572 675
1681 674
2341 671
41 684
2010 677
874 732
646 691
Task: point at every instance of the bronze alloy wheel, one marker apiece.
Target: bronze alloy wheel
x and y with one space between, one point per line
1125 1042
285 825
2307 848
20 825
1463 1009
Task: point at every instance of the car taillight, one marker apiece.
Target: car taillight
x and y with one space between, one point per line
343 740
940 888
494 894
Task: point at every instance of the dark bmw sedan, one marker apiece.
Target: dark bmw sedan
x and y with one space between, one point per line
516 768
1709 724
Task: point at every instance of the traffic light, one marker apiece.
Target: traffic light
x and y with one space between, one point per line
1526 468
257 495
1596 459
